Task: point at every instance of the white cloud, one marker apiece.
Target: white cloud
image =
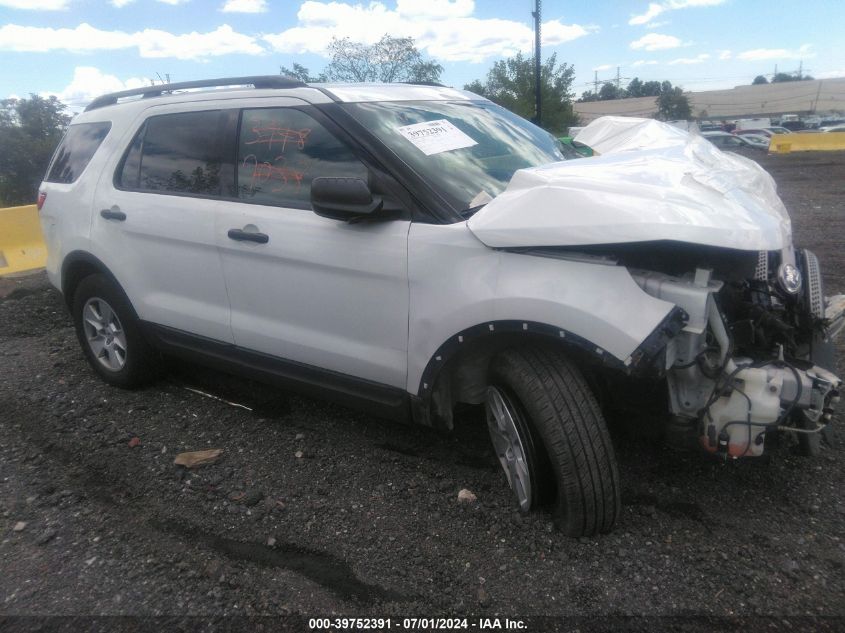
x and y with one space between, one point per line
830 74
644 62
657 8
762 54
122 3
652 12
698 59
438 9
656 42
36 5
444 29
89 82
151 43
245 6
724 55
657 25
603 67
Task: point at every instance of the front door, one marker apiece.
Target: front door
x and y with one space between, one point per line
322 293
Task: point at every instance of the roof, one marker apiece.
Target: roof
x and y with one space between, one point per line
262 87
351 93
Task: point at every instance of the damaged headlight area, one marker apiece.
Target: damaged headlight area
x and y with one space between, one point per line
752 358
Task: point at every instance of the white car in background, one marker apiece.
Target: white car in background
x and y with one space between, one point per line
405 248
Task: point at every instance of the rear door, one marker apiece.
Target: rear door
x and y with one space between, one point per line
320 292
154 217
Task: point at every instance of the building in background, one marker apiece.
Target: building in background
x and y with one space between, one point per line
819 96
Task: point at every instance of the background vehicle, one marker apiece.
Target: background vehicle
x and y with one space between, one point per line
726 141
752 124
406 249
756 131
758 141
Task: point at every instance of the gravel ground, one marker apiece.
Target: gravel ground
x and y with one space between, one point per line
317 510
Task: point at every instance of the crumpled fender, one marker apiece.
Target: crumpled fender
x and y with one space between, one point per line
457 283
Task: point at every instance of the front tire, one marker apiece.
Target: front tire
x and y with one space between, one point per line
109 334
562 436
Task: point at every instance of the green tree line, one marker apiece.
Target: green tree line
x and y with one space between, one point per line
30 130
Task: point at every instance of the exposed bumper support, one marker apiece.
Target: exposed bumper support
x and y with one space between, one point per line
834 314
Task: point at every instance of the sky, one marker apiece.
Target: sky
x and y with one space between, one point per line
78 49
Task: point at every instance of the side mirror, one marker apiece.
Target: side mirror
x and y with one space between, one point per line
343 198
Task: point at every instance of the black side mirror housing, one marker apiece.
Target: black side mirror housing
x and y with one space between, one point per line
343 198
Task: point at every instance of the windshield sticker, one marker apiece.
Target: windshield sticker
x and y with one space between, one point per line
435 137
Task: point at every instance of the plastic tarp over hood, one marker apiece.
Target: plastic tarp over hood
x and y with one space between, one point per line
652 181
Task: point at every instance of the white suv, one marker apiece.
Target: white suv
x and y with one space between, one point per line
406 248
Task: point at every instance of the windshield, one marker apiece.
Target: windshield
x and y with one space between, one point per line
468 151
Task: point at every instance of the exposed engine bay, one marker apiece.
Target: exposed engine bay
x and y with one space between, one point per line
752 358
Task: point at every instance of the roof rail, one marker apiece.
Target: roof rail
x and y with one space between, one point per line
262 81
433 84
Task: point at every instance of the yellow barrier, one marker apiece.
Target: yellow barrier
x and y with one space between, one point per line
21 242
817 141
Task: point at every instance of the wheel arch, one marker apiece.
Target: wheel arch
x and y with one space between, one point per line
78 265
457 371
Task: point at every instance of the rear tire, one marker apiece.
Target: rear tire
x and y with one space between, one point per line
110 335
566 442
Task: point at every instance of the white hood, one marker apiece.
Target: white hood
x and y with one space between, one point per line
652 181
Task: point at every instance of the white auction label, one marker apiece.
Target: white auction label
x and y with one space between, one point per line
434 137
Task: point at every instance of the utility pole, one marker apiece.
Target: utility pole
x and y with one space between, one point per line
800 69
618 83
538 108
596 84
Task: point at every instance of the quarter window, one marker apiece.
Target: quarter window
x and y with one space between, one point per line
76 150
281 150
177 153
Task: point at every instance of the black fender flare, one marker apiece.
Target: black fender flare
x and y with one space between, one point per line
641 358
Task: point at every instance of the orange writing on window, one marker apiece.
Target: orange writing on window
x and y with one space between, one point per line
272 172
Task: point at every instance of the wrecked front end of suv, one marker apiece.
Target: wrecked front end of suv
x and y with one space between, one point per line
706 232
755 355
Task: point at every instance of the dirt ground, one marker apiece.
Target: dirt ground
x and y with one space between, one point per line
315 510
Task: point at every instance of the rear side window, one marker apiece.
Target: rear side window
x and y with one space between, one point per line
76 150
176 153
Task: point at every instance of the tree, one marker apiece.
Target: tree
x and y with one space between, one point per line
672 104
510 83
651 89
609 91
635 88
302 73
638 88
390 59
784 77
759 80
30 130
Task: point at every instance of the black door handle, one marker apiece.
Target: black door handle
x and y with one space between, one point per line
108 214
248 236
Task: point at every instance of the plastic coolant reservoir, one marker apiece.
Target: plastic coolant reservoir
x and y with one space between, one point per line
764 397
